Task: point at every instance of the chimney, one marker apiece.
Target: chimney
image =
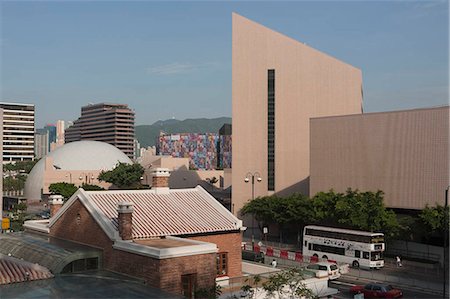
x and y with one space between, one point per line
55 201
125 219
160 179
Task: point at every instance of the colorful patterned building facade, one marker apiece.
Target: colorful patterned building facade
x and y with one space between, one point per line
206 151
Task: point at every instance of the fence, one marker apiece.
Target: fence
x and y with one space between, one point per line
412 274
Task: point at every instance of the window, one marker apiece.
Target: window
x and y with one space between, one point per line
345 236
271 130
365 255
329 249
357 253
188 284
222 264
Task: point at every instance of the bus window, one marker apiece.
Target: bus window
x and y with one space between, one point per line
309 246
365 255
306 243
357 253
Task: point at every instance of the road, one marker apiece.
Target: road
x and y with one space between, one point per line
344 284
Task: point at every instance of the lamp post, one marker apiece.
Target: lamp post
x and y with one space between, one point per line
252 176
445 240
88 177
70 177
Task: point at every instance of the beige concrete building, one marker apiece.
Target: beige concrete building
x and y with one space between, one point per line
106 122
278 84
18 132
403 153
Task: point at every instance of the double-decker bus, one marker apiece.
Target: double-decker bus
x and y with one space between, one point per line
357 248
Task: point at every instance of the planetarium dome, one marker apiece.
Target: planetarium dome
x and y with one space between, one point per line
74 156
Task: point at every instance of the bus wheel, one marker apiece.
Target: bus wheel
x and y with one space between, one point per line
325 257
355 264
315 255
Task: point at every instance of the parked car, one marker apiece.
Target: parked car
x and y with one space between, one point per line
253 256
323 269
377 290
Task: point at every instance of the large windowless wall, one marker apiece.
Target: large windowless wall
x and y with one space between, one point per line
403 153
278 84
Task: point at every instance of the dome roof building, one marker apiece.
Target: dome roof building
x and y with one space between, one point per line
77 162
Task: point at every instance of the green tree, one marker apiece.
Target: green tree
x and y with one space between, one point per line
366 211
89 187
434 218
20 166
287 284
63 188
124 176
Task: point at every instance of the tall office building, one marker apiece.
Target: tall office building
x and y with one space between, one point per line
110 123
60 129
278 84
41 148
18 132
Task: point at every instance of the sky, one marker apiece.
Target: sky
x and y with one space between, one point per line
173 59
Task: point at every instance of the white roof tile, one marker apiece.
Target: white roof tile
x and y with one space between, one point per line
178 212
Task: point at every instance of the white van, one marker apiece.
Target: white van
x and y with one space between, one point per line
323 269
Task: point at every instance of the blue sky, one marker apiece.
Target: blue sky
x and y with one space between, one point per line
173 59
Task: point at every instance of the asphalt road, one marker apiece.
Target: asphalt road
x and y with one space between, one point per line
344 285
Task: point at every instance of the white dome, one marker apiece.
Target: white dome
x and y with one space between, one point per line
79 155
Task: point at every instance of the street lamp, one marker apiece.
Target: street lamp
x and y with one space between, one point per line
88 177
251 176
70 176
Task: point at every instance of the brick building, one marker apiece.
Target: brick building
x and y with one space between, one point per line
176 240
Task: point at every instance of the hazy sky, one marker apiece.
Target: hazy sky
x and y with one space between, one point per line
174 59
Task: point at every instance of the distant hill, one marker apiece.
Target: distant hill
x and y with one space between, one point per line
147 134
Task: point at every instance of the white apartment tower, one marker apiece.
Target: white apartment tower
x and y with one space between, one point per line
18 132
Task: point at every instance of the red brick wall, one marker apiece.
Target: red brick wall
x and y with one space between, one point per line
164 274
126 226
160 181
85 230
230 243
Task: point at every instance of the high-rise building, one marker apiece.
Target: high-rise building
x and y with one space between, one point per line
60 128
110 123
59 135
18 132
51 128
41 148
278 84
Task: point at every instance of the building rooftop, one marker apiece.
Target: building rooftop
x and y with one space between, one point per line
158 212
97 284
14 270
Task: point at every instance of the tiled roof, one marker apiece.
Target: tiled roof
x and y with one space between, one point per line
13 270
172 213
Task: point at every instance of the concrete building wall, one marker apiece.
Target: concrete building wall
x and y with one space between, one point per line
308 84
403 153
18 132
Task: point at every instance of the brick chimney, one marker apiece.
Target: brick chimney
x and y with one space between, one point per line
125 219
160 179
55 202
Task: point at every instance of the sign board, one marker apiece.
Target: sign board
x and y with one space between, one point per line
5 223
265 230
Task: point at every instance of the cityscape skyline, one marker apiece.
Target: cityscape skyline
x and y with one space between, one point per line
173 60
